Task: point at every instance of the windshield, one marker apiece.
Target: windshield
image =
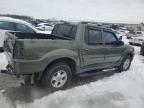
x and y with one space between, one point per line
139 33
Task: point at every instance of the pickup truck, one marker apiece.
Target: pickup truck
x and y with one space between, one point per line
71 49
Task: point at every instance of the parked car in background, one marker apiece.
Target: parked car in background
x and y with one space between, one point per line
137 39
142 49
11 24
123 30
139 33
45 26
118 34
130 34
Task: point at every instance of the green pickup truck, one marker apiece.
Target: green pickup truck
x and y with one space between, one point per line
71 49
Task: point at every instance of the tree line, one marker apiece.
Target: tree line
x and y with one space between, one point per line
23 17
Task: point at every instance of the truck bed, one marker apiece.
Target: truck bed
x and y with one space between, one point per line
36 50
28 43
20 35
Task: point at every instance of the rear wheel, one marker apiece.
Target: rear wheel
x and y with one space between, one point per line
57 76
125 65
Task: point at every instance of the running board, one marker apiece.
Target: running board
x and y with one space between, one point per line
96 72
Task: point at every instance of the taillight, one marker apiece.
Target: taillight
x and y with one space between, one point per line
18 50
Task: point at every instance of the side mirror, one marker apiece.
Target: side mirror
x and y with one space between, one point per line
120 38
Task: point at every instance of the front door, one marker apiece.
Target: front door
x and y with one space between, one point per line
112 52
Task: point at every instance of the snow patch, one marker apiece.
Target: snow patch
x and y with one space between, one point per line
122 90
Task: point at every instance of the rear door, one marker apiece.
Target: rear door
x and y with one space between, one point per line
23 28
92 49
112 52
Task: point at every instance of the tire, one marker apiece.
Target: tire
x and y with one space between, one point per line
57 76
126 63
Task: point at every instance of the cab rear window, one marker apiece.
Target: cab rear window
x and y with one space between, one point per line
65 30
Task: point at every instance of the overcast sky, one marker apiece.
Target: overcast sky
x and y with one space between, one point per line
98 10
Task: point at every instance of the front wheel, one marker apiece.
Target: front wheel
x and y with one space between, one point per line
125 65
57 76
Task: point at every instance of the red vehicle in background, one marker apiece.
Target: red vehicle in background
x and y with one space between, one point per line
142 49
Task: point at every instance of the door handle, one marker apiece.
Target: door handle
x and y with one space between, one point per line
86 49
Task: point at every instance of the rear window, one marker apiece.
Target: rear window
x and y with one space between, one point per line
24 28
65 30
139 32
47 25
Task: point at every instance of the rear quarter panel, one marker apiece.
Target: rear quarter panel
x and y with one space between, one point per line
38 53
127 50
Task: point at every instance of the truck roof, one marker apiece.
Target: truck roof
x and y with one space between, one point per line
95 24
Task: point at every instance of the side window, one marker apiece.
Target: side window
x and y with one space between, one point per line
6 25
65 30
94 37
24 28
109 37
47 24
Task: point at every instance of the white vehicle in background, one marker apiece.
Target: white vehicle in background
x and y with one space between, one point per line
45 27
137 39
119 34
11 24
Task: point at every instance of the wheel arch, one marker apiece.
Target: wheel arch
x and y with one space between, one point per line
130 54
69 61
